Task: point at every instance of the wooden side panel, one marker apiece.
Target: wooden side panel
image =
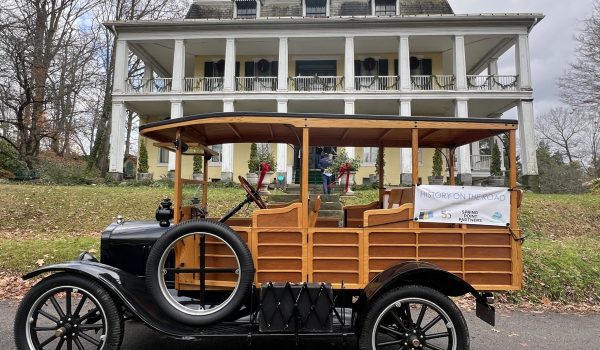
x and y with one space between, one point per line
353 214
335 256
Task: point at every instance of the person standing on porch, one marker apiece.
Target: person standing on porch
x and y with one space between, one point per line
324 164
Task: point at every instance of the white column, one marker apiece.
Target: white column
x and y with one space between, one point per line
282 148
460 62
464 152
148 76
282 78
349 64
227 149
404 63
523 62
493 67
349 110
229 74
176 112
500 144
406 153
178 66
527 137
121 66
117 139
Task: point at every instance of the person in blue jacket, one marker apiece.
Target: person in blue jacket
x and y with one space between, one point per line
325 163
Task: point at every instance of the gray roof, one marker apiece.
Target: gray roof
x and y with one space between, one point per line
292 8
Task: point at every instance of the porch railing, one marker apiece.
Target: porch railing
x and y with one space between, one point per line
481 162
432 82
203 84
493 82
141 85
258 84
372 83
316 83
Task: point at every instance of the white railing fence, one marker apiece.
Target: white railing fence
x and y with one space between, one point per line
481 162
432 82
493 82
316 83
141 85
203 84
259 84
373 83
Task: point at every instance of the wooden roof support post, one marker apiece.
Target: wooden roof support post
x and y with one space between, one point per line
451 158
177 200
380 157
205 184
512 158
304 181
415 156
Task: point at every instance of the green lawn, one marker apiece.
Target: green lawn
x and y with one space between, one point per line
46 224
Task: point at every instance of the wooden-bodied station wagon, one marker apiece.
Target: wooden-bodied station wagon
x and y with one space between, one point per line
384 273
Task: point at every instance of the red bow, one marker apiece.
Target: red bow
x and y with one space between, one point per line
264 169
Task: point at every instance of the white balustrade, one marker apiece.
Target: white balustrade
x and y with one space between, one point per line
155 85
204 84
493 82
432 82
481 162
258 84
373 83
316 83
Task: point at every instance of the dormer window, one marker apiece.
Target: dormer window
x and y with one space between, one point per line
246 8
316 8
385 7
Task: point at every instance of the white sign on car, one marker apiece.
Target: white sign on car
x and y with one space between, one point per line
462 205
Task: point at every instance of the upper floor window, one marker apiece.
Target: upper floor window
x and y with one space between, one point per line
316 8
385 7
246 8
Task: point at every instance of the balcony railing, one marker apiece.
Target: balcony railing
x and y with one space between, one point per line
381 83
258 84
140 85
327 83
481 162
203 84
432 82
316 83
493 82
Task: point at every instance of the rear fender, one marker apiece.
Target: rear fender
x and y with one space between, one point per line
423 274
127 290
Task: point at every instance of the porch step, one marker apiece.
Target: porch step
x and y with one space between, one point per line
331 213
283 198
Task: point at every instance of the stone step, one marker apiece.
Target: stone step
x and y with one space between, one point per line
283 198
325 197
331 213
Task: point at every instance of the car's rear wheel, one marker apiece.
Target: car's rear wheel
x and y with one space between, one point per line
213 273
413 317
65 311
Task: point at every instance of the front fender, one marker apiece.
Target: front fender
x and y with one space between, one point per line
127 290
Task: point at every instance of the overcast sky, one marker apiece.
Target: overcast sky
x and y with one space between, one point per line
551 41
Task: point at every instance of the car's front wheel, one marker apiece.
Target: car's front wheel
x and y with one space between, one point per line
413 317
66 311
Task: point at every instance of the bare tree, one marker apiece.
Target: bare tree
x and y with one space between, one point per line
564 129
114 11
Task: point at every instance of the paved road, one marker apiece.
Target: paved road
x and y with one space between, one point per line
514 330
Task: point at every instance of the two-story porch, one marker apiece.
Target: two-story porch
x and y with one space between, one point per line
443 66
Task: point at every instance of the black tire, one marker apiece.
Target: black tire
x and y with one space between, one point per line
237 245
385 317
101 323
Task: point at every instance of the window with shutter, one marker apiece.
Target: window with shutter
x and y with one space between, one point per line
316 8
245 8
385 7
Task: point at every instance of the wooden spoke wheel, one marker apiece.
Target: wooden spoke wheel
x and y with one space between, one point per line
213 272
414 317
252 193
68 312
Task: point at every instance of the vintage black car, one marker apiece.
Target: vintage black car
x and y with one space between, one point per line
383 276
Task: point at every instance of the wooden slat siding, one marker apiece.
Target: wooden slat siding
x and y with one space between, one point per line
326 246
177 200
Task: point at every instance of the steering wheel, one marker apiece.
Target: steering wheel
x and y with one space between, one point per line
252 193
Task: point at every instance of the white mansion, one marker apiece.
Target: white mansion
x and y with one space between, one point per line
385 57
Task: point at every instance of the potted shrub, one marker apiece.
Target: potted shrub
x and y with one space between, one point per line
143 174
197 168
437 178
264 156
342 158
253 165
496 178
